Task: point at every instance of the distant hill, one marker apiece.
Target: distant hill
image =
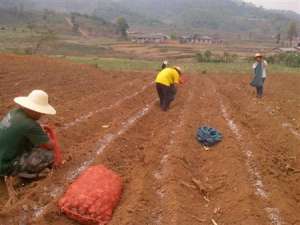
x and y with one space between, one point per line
21 14
214 16
209 15
107 9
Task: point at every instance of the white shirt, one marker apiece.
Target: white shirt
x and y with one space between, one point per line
264 69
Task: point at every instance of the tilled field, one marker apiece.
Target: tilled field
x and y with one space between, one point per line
251 178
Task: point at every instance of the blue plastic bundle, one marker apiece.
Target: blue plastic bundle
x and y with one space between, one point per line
208 136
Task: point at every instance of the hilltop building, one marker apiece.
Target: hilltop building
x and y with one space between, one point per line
148 38
286 50
198 39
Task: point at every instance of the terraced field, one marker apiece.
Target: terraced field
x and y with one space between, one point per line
251 178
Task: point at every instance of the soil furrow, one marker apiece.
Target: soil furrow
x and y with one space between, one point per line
275 154
227 196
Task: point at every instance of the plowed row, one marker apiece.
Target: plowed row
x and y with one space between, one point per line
251 178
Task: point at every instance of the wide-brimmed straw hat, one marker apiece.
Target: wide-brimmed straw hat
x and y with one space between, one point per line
36 101
178 69
258 55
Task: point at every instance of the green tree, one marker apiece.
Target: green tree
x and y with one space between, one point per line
46 37
31 26
292 31
173 36
278 38
122 27
207 55
199 57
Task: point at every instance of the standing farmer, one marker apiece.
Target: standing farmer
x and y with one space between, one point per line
166 82
164 65
25 148
260 74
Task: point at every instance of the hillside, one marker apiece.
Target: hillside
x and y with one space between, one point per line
224 15
176 16
183 15
58 22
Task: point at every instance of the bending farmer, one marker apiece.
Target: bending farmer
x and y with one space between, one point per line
165 85
25 148
260 74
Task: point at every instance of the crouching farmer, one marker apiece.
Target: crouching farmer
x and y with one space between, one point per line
25 148
166 82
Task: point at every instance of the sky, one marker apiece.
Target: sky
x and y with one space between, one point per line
278 4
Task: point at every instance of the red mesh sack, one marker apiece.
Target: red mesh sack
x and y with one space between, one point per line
92 198
57 151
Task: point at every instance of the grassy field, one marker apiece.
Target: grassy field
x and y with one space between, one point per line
189 67
117 64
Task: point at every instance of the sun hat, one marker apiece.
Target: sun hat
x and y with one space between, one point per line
258 55
178 69
36 101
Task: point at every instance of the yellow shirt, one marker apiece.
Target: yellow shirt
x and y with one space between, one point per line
167 77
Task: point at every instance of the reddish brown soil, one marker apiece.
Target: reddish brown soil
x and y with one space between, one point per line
251 178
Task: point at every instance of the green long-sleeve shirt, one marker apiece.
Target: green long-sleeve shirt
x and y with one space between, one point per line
18 133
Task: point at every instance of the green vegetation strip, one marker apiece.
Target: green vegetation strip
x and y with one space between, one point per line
117 64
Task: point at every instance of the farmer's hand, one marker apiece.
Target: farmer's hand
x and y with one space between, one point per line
183 80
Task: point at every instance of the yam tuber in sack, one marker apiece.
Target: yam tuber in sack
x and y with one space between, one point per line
92 198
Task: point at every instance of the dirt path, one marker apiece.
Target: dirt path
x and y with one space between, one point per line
80 30
249 178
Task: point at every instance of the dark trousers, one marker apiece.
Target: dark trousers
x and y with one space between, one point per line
166 95
31 163
260 90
